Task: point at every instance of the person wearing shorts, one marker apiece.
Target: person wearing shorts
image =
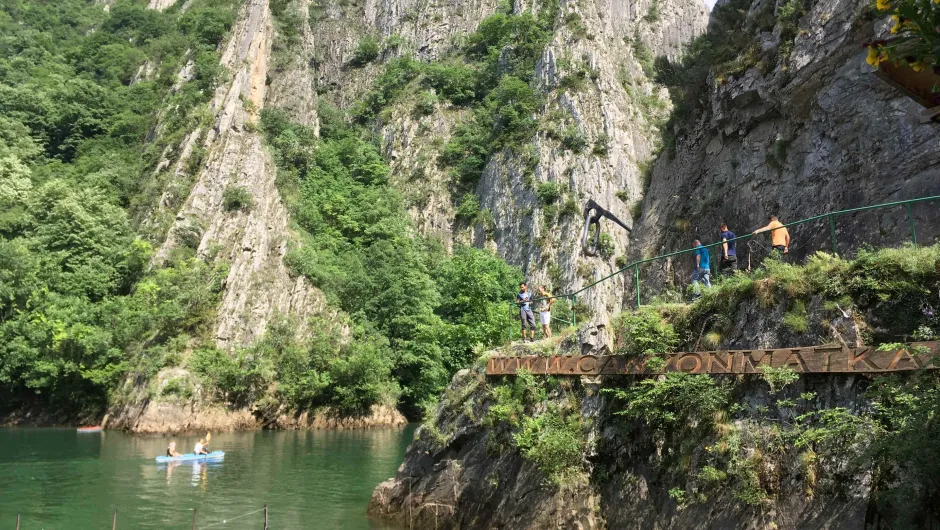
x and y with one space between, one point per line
524 301
545 311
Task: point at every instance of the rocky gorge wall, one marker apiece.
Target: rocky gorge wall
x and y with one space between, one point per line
461 472
775 450
613 114
806 130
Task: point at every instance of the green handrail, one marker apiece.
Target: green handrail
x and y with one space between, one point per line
831 216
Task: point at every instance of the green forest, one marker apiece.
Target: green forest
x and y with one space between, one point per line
80 306
84 312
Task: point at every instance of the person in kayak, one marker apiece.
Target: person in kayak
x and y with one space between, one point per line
171 450
201 448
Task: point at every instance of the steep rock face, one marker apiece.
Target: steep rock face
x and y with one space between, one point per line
160 5
253 242
292 81
458 474
819 133
427 28
614 115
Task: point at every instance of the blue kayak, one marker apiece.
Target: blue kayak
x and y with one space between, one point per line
190 457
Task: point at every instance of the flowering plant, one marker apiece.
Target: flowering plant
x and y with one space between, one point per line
917 30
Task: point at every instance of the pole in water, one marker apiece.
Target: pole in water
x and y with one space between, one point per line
194 519
265 517
17 521
114 520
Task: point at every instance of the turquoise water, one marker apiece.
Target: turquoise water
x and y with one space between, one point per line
58 478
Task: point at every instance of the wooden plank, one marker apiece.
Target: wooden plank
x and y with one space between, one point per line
812 359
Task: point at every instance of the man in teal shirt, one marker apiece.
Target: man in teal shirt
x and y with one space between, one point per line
701 271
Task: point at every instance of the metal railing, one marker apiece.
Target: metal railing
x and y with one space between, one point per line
571 298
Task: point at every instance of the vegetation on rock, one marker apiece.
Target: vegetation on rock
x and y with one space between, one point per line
423 311
81 90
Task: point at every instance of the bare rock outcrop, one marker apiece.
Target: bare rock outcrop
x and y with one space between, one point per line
460 472
818 132
252 240
292 78
160 5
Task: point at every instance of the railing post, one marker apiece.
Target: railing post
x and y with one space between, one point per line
636 280
510 322
910 220
574 314
832 232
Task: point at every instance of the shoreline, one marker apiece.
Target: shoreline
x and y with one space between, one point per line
175 419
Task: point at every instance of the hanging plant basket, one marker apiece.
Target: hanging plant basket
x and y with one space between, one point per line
919 86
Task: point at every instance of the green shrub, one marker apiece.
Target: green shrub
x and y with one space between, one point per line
236 198
367 50
547 192
453 81
644 55
570 208
468 210
575 24
573 82
572 139
605 246
676 400
553 442
426 103
234 380
796 318
644 332
652 14
778 378
601 145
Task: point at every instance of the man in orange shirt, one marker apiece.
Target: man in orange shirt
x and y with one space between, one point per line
779 237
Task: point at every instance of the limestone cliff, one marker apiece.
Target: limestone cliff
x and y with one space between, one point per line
459 473
775 450
251 240
808 131
225 153
613 116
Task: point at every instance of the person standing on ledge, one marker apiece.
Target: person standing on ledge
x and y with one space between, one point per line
729 253
545 311
779 236
702 269
524 301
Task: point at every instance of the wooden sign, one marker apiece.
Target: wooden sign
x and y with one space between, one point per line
813 359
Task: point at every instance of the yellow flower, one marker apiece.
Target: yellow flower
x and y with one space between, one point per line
897 23
875 56
917 66
884 5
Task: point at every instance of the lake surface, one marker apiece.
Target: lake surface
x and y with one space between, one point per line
58 478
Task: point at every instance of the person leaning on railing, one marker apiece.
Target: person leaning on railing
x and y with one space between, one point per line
779 236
